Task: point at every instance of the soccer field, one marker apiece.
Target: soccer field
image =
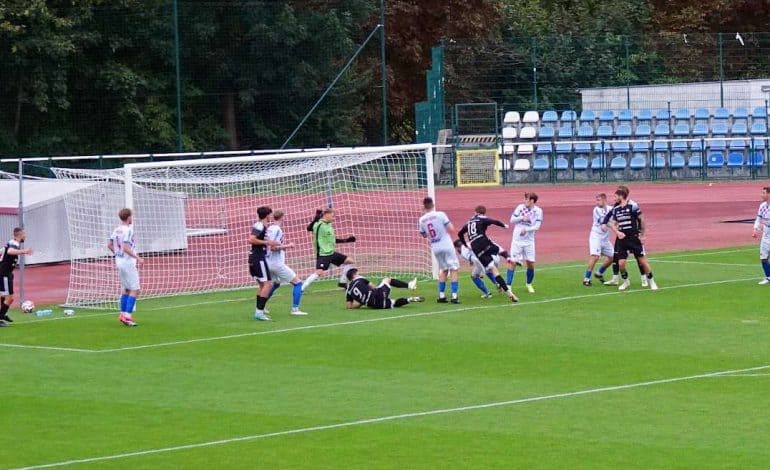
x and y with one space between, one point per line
571 377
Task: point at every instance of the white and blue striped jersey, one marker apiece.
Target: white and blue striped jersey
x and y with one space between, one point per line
433 225
528 220
763 215
275 257
123 236
599 214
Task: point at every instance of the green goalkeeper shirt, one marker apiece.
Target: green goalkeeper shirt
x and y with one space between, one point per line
324 238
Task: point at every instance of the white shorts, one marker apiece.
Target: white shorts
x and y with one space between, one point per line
600 246
129 276
281 273
522 252
764 248
447 259
477 270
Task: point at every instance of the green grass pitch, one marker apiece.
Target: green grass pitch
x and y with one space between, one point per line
571 377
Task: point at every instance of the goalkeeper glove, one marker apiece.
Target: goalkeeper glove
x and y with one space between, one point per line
350 239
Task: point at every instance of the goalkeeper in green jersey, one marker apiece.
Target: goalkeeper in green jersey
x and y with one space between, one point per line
325 245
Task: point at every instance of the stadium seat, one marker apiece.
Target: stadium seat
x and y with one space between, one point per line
739 129
677 162
717 144
644 116
531 118
521 164
757 144
561 163
716 160
508 149
598 163
758 128
696 145
737 144
702 116
583 147
528 132
606 118
563 147
580 163
757 159
525 149
587 117
641 147
637 163
643 130
512 118
509 133
660 146
741 115
719 129
695 161
659 161
759 114
568 116
546 133
700 130
620 146
544 148
625 116
679 146
682 130
721 115
566 132
682 116
734 159
604 131
549 119
663 115
662 130
585 131
618 163
540 164
623 130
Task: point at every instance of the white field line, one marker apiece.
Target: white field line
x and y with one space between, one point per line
48 348
704 263
398 417
744 375
411 315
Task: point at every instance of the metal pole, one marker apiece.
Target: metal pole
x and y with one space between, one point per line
628 74
21 224
534 71
177 65
721 73
384 75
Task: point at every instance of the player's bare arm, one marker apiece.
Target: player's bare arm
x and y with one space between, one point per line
111 247
17 251
130 252
256 241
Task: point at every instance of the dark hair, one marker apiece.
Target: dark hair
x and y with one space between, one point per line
351 273
263 211
531 196
17 231
624 188
481 210
278 215
504 254
622 192
124 214
428 203
766 189
602 195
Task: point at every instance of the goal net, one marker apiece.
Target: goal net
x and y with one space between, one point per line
478 167
193 217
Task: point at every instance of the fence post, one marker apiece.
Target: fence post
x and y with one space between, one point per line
178 67
22 260
384 75
534 71
628 74
721 72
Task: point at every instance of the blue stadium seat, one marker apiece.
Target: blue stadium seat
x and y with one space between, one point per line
682 115
566 132
598 163
695 161
758 128
696 145
568 116
739 129
540 164
585 131
757 159
643 130
549 119
583 147
759 114
741 115
659 161
702 116
757 144
547 133
738 144
679 146
721 115
734 159
700 130
618 163
717 144
604 131
587 117
661 130
677 162
623 130
625 115
637 163
716 160
620 147
607 118
682 130
644 116
663 115
641 147
561 164
563 147
580 163
544 149
719 129
660 146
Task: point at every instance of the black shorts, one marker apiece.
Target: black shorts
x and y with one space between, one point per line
628 245
6 284
324 262
380 298
484 251
259 270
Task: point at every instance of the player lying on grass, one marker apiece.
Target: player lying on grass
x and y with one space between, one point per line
362 293
325 246
477 270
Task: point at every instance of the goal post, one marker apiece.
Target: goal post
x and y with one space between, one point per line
192 217
478 167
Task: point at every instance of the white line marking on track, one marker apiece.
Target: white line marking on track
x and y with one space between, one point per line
704 263
397 417
48 348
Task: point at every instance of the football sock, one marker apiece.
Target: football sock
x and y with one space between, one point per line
615 269
602 269
399 284
491 277
766 267
480 284
509 276
501 282
530 275
624 274
296 295
4 309
344 272
455 287
130 302
261 302
400 302
649 275
441 289
273 289
123 299
588 274
309 280
641 269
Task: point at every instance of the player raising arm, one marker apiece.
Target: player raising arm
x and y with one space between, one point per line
325 245
276 262
528 217
10 257
762 226
436 226
362 293
484 248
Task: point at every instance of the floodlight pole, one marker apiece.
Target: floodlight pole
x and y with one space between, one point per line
177 66
21 224
384 75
